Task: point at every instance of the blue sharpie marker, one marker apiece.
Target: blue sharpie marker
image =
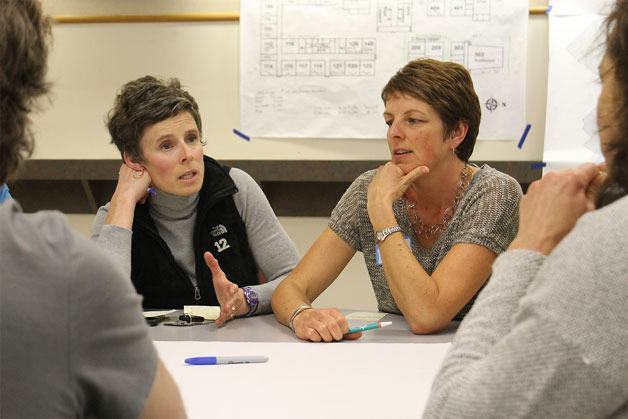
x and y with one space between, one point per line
219 360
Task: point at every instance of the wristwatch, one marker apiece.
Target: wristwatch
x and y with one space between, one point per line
251 299
382 234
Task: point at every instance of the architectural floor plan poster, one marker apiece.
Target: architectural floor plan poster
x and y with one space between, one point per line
576 46
315 68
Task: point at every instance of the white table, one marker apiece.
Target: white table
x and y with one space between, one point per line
385 374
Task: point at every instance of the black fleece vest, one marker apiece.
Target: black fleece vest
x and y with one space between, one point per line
218 229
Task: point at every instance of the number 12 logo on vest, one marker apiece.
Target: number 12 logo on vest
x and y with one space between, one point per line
221 245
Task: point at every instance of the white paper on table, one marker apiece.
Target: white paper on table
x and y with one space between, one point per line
367 316
207 312
316 69
350 379
158 313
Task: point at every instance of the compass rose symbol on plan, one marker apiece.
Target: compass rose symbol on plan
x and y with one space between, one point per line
491 104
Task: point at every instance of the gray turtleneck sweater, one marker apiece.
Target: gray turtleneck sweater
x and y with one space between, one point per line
175 216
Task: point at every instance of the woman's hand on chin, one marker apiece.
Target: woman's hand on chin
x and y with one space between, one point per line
230 296
388 185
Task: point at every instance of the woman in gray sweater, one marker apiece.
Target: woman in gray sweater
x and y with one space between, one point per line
547 337
428 223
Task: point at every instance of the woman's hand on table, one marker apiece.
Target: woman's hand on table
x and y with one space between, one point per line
230 296
322 325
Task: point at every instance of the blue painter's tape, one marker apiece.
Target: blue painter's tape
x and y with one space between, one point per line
538 165
241 135
524 136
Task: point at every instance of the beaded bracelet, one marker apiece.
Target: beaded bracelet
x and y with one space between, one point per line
295 313
251 299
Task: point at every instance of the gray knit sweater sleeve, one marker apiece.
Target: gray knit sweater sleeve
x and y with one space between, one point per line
114 239
275 254
547 337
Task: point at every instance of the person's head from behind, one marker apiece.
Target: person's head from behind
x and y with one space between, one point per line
24 37
612 111
157 127
432 112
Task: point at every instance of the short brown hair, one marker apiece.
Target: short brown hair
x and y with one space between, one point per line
144 102
448 88
24 37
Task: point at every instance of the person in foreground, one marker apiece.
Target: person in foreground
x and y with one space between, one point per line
547 337
428 223
207 234
73 341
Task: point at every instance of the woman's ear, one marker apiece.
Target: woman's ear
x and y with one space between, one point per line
132 162
459 133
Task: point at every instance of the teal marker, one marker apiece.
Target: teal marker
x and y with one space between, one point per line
368 326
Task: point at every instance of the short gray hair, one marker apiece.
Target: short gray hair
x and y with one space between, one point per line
144 102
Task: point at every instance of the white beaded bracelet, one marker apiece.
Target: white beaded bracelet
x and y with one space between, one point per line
295 313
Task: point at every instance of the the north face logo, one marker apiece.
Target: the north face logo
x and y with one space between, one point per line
218 230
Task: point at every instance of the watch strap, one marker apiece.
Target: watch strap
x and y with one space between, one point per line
382 234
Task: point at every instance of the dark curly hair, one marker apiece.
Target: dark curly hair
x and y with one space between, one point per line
617 51
24 39
144 102
448 88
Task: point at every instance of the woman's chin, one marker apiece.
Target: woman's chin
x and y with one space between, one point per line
408 167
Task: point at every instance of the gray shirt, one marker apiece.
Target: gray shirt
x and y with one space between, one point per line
487 215
73 341
273 251
548 336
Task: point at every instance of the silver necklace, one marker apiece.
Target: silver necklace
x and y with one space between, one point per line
434 230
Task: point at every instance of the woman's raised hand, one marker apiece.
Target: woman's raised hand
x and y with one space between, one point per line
553 204
132 188
230 296
132 184
322 325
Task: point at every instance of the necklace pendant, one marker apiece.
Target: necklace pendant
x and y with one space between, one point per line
428 231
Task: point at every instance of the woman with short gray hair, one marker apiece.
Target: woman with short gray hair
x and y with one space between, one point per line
187 229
